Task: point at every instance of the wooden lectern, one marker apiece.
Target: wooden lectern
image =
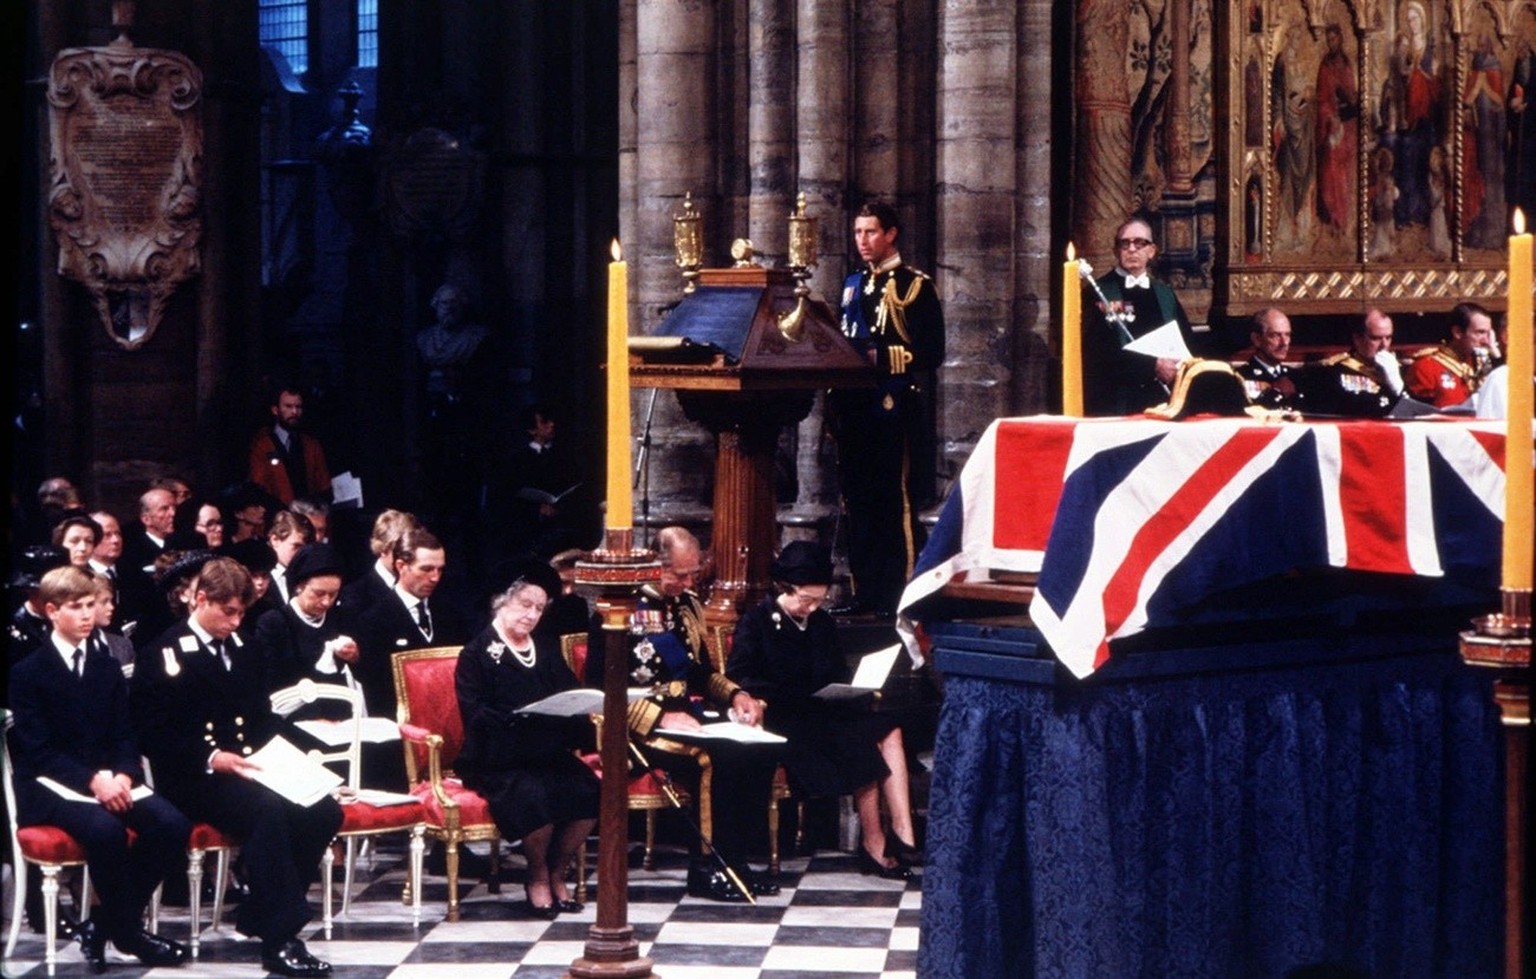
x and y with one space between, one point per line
746 355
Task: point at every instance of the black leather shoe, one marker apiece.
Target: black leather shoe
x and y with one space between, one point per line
93 945
760 884
292 959
712 884
909 856
65 930
869 866
154 950
569 907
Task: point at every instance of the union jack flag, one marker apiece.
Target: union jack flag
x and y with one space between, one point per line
1128 521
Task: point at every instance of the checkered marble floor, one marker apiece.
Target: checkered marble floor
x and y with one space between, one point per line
829 920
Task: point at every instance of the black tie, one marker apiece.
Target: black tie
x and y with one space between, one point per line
79 663
218 650
424 618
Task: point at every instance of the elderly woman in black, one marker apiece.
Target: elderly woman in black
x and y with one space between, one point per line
524 765
784 650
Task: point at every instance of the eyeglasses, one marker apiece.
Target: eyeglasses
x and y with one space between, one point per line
1137 243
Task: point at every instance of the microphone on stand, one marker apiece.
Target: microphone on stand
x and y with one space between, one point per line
642 478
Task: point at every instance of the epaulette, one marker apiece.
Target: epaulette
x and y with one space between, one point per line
918 272
1335 360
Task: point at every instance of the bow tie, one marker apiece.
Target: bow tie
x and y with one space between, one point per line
1138 281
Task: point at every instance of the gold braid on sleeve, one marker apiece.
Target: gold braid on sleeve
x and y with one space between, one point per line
893 309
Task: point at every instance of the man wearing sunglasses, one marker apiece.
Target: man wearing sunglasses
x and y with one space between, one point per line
1116 381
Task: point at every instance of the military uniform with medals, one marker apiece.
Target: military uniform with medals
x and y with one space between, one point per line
1265 385
1346 385
885 439
669 653
1438 377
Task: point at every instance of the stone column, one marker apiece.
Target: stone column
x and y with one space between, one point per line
1102 195
875 126
770 126
1033 317
822 127
976 142
675 152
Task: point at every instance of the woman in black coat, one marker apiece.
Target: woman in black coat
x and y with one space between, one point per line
785 649
538 789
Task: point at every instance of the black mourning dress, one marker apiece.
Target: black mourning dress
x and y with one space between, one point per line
832 746
524 765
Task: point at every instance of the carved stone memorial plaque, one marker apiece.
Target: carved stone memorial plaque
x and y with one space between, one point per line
126 142
432 185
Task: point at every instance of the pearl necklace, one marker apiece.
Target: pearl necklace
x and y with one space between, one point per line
525 657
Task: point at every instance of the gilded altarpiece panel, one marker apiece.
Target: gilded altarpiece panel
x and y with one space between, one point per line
1377 150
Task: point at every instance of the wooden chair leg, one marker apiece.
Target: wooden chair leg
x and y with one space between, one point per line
451 859
50 914
800 827
18 904
773 837
195 896
581 873
649 860
413 879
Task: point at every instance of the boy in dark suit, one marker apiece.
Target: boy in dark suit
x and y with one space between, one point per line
73 727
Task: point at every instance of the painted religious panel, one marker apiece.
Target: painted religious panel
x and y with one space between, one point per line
1395 141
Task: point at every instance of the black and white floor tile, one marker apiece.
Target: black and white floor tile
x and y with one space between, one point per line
829 920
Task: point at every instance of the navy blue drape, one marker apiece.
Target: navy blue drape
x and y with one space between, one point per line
1233 825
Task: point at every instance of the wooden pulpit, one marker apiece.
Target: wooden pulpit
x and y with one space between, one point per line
746 354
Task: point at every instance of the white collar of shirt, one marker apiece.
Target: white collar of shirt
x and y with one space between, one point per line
386 576
411 601
1144 280
67 651
100 568
157 541
305 618
1273 370
539 448
206 638
283 435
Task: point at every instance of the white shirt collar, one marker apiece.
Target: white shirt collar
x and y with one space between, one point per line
66 650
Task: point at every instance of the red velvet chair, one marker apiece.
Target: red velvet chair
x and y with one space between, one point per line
432 735
47 848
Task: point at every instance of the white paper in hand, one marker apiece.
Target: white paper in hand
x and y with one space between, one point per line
292 774
1165 342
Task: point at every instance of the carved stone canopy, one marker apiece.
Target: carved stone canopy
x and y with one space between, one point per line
126 142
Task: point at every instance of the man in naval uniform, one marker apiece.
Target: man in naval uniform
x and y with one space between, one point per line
891 313
1450 373
201 709
1270 381
1117 381
1364 381
669 653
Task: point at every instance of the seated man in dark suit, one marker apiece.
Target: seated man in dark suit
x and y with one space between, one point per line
202 709
378 581
73 728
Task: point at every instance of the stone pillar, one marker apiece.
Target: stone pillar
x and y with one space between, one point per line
1033 263
821 125
1102 195
675 152
875 126
976 139
770 126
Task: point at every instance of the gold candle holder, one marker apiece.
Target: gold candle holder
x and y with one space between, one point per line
802 258
688 242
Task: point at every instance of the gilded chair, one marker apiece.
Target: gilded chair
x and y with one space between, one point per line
47 848
432 735
645 794
362 817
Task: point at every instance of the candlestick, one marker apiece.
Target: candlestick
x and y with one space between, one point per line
620 507
1071 337
1519 508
